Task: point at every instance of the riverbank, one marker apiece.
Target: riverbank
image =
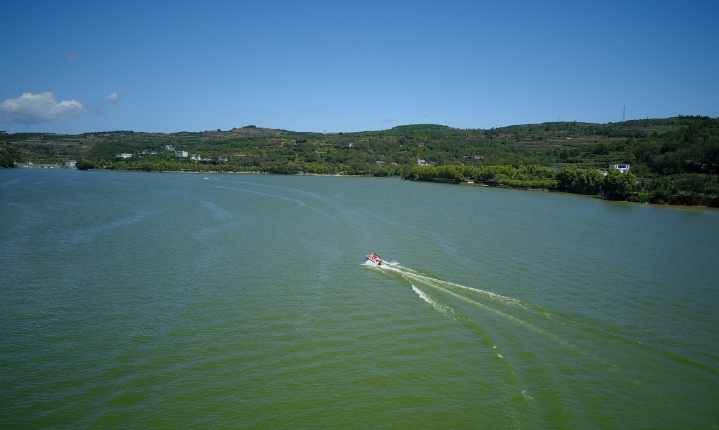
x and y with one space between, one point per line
588 196
468 183
689 189
666 161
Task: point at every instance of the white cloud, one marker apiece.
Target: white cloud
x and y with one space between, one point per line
34 108
113 97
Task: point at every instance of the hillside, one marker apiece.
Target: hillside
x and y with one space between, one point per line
672 160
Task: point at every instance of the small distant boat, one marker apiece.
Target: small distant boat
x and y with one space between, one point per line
374 259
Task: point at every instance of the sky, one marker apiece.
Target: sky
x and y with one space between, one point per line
326 66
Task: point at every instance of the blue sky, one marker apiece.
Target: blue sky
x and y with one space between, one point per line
341 66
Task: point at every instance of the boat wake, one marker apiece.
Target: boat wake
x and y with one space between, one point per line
436 305
495 304
414 275
447 298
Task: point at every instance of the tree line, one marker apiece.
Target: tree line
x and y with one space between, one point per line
684 189
673 160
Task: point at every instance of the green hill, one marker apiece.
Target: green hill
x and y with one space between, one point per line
673 160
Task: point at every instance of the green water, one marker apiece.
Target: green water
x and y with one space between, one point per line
132 300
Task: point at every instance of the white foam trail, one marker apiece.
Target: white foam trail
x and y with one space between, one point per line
441 308
513 318
412 273
444 286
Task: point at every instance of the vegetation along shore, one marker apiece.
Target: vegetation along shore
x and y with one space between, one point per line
668 161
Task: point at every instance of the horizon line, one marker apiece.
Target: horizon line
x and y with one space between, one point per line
249 126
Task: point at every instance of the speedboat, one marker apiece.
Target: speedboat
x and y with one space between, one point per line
374 258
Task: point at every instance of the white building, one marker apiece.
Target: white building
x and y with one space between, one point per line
421 162
71 164
196 157
169 147
181 154
124 156
622 167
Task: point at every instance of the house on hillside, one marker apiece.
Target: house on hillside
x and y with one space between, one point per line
124 156
181 154
70 164
621 167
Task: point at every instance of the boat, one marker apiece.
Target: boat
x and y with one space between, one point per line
374 259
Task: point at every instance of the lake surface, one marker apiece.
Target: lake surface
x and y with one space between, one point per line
147 300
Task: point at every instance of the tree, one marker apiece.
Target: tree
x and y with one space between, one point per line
85 165
582 181
8 156
619 186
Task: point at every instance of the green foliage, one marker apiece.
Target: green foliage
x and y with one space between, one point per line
504 175
581 181
8 156
672 159
684 189
85 165
619 186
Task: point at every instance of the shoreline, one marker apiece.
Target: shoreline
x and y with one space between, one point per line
241 172
463 183
590 196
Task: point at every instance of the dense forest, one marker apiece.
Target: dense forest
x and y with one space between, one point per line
673 160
